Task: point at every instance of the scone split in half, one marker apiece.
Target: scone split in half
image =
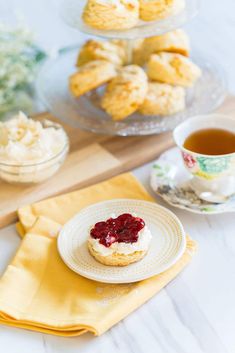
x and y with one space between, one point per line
119 241
125 93
163 99
172 68
111 14
90 76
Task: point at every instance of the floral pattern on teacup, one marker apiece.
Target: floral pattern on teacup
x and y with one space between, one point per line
206 167
189 160
199 173
214 165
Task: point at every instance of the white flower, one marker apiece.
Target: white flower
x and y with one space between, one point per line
19 58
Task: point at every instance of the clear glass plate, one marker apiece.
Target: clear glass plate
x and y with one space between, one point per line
71 12
85 112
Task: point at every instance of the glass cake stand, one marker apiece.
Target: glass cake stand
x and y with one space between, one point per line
85 112
71 12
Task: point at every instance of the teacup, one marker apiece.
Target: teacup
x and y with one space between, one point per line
213 176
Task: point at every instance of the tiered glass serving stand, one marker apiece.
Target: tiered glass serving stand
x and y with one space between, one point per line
85 112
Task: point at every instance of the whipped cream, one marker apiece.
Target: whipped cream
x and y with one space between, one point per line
29 150
26 141
144 238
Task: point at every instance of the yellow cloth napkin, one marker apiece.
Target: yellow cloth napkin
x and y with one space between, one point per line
39 292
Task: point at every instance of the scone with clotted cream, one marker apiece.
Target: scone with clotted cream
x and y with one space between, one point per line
172 68
163 99
111 14
90 76
125 93
119 241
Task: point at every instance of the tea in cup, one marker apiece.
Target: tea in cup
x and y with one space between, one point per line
207 145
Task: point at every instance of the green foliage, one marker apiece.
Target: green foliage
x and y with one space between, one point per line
19 62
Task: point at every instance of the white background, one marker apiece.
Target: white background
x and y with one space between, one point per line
196 312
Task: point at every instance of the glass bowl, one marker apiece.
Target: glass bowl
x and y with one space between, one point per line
32 173
71 13
85 112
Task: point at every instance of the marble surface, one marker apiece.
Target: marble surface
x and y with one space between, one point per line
195 313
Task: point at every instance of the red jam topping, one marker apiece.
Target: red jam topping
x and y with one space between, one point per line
123 229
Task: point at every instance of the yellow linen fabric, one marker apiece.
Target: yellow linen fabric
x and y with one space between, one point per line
39 292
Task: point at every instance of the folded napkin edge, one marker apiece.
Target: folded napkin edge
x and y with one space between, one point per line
74 329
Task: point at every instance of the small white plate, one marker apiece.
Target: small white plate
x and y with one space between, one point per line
167 245
171 181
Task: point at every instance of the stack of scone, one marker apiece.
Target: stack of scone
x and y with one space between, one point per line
125 14
152 80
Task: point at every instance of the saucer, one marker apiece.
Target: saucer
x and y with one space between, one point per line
167 244
171 181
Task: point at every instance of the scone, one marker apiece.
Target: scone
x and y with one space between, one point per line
125 46
175 42
138 55
90 76
119 241
125 93
163 99
172 68
152 10
111 14
122 43
102 50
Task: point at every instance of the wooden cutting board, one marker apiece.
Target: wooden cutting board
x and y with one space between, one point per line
92 158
